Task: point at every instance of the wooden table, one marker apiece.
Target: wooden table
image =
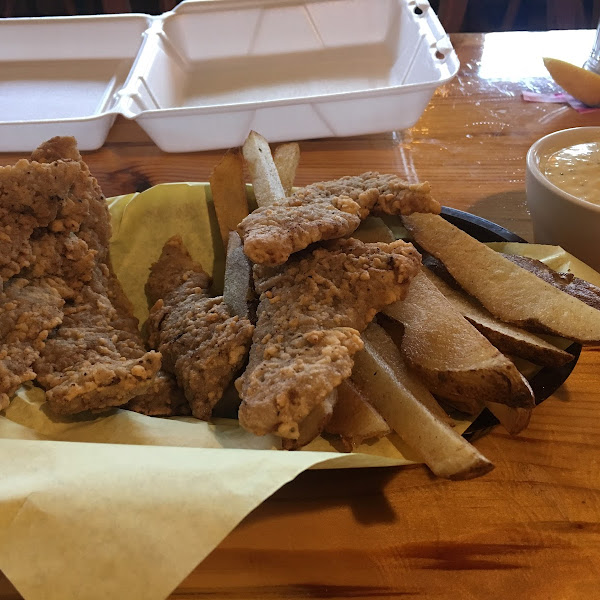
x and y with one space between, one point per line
531 528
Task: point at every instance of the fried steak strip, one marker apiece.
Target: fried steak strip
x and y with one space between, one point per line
92 356
310 316
28 313
202 345
164 398
33 196
327 210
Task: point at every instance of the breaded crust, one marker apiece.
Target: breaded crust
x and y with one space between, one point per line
310 316
202 344
327 210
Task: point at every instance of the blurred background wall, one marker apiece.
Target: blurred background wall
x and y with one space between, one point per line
456 15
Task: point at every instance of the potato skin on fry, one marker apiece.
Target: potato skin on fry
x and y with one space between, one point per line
445 452
229 193
453 359
509 339
509 292
238 289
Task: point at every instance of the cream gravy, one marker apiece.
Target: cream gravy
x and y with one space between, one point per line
576 170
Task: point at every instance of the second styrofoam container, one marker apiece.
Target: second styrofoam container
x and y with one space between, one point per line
211 71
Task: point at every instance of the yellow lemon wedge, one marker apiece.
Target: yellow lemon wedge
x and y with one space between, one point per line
580 83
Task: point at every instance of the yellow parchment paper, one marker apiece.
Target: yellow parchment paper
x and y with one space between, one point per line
124 505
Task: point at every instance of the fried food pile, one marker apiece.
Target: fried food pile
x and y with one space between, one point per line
316 330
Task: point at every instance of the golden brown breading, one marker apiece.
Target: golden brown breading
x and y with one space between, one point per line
164 398
57 148
173 268
309 318
327 210
28 312
88 363
33 196
63 258
95 359
125 318
201 343
67 261
95 228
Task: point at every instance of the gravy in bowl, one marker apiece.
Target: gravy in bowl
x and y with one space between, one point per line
576 170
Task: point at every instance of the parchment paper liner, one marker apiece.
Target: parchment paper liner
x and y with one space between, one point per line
126 505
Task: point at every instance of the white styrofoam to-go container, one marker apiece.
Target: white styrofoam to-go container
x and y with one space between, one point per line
202 76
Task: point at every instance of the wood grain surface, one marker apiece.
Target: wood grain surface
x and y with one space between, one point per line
529 529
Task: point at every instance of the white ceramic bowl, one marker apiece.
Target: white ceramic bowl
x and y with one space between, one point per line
559 217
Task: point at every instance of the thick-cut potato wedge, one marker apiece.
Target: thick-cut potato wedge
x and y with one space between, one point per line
395 331
313 424
263 172
452 358
508 338
354 419
505 289
286 158
513 419
238 289
229 193
445 452
378 336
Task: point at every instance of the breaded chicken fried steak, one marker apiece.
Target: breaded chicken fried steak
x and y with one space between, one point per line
311 313
202 344
70 326
328 210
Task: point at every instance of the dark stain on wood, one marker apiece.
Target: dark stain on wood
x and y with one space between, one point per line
467 556
304 590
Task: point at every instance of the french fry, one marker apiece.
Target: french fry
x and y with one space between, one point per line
238 289
229 193
508 291
387 347
508 338
513 419
354 419
263 172
452 358
231 206
445 452
286 158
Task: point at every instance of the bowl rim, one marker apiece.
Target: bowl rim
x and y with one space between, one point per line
533 165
